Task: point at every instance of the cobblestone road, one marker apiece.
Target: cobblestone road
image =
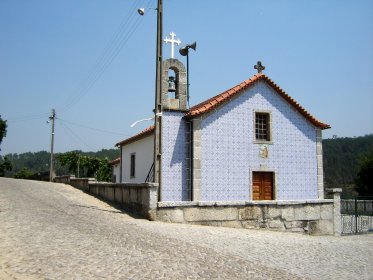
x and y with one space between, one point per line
53 231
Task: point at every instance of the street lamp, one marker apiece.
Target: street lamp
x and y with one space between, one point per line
184 51
144 120
141 11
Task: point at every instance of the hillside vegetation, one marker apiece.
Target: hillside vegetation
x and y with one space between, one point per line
39 162
342 158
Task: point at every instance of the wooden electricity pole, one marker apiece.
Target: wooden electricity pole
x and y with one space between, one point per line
51 170
158 101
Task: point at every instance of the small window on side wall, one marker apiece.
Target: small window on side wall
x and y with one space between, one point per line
262 127
132 165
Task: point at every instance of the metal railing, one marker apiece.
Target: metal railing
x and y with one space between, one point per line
357 214
150 176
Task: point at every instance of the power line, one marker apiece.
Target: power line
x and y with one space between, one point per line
67 129
28 118
113 48
92 128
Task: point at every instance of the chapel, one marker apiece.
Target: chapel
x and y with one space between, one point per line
250 142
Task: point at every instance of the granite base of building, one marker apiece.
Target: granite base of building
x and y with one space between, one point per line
315 217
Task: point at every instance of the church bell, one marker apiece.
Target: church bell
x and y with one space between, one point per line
171 84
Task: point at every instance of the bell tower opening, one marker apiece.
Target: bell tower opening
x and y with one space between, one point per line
174 88
172 84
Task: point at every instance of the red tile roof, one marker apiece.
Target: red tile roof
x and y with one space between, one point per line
146 132
115 161
217 100
214 102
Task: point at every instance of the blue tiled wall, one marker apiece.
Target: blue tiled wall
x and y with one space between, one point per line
174 181
229 154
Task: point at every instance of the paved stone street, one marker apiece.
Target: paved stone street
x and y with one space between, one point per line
53 231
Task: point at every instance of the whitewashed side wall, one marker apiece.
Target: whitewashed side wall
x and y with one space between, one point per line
116 172
144 150
229 154
174 149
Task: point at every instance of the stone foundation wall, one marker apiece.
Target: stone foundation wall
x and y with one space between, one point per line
312 217
315 217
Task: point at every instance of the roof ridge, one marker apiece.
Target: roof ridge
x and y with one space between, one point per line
215 101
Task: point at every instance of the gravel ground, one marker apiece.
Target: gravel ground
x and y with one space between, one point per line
53 231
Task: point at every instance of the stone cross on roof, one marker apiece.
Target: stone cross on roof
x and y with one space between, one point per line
172 41
259 67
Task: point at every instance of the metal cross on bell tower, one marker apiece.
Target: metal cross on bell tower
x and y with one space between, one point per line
259 67
172 41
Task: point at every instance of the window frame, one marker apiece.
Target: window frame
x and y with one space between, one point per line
269 127
133 165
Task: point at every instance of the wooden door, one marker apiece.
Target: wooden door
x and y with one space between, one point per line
262 185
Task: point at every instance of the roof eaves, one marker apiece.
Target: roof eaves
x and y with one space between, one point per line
142 134
115 161
296 105
209 104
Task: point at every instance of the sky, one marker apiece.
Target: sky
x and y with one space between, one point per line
93 61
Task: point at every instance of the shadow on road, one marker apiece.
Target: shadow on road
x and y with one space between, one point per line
118 209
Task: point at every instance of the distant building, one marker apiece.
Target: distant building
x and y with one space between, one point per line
115 170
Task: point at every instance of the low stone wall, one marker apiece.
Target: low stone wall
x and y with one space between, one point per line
136 198
63 179
79 183
82 183
314 217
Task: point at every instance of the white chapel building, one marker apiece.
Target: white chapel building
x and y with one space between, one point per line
250 142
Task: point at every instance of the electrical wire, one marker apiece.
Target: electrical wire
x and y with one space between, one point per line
71 132
126 29
92 128
128 26
27 118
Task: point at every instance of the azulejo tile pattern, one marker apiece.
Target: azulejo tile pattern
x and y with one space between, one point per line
174 181
229 154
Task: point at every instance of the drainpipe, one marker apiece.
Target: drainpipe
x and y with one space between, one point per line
191 159
121 164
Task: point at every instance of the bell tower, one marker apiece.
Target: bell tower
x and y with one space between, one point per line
174 85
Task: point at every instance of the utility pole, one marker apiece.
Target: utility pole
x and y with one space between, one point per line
158 100
78 165
51 170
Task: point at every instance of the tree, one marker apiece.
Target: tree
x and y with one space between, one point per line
70 160
364 180
23 174
88 166
5 165
3 127
104 171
